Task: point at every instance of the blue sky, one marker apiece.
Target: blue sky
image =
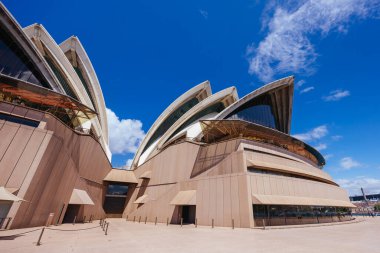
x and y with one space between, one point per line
147 53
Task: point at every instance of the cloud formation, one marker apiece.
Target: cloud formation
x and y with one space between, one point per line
125 134
287 47
348 163
204 13
306 90
336 95
321 146
370 185
314 134
336 137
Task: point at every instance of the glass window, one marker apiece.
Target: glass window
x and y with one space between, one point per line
85 84
169 121
14 63
259 110
60 76
215 108
117 190
19 120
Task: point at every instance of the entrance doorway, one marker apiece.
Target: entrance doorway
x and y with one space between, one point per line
188 214
71 211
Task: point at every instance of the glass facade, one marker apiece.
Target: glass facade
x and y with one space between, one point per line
215 108
259 111
87 88
169 121
117 190
274 215
14 62
58 73
114 202
19 120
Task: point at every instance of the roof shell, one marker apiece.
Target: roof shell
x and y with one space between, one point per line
227 96
282 91
201 91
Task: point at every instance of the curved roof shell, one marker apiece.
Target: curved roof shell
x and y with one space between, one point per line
173 113
281 97
225 97
21 40
43 42
75 52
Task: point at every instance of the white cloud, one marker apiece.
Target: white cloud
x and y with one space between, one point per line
125 134
337 95
348 163
370 185
328 156
321 146
286 47
204 13
336 137
306 90
299 84
314 134
127 165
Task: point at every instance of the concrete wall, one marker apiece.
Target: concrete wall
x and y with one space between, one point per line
46 163
224 186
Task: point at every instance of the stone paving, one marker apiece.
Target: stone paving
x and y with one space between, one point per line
134 237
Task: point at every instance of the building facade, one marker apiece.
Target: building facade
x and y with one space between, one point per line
223 161
210 159
53 129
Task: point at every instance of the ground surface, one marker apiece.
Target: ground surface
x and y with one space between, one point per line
134 237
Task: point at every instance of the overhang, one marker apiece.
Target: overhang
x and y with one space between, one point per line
80 197
321 176
281 93
258 199
146 175
121 176
185 198
5 195
44 99
221 130
141 200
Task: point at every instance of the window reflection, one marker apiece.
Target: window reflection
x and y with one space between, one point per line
169 121
117 190
259 111
14 63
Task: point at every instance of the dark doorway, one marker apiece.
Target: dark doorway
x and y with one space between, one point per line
188 214
115 199
71 212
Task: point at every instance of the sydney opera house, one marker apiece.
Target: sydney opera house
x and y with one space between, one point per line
211 159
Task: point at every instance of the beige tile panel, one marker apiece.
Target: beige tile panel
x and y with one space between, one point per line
188 197
125 176
298 187
301 201
278 166
287 162
13 152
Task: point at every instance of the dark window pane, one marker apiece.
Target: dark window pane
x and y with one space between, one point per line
19 120
61 78
215 108
259 110
169 121
116 189
14 63
85 84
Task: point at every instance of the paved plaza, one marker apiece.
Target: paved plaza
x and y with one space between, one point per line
134 237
